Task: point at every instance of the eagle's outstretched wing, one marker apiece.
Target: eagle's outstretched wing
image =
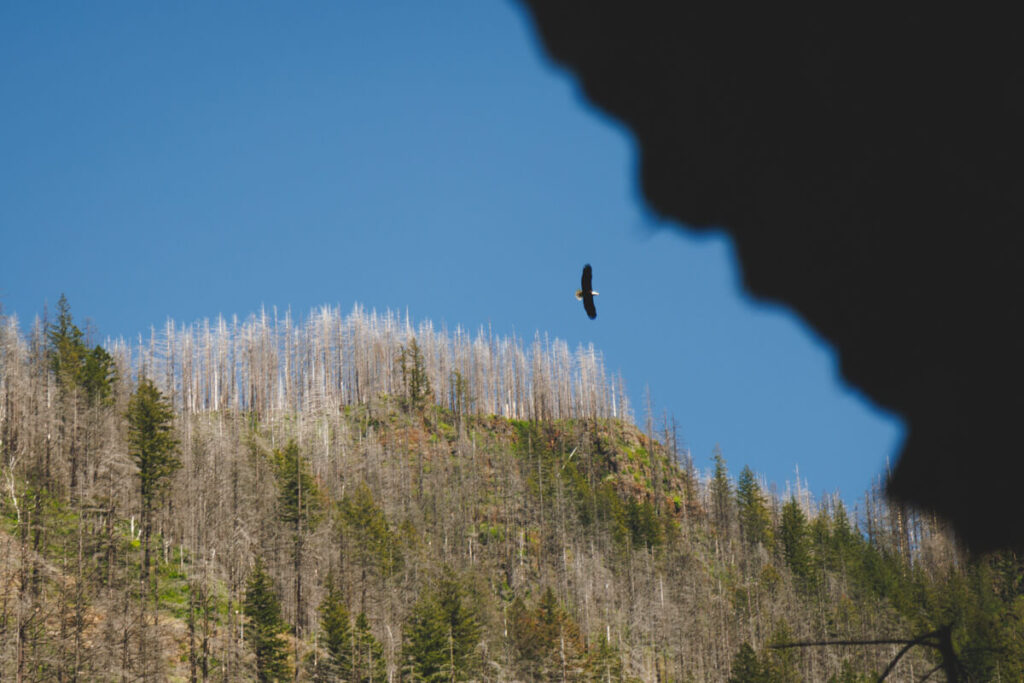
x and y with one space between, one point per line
588 292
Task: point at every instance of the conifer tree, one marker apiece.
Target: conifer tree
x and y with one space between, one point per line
547 640
527 639
299 500
644 528
780 664
565 651
265 625
73 364
443 634
793 534
367 539
848 674
414 377
299 507
98 375
721 492
152 445
84 378
337 635
823 548
67 347
426 643
755 522
747 668
604 664
368 663
844 539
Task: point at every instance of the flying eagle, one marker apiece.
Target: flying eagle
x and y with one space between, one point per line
586 293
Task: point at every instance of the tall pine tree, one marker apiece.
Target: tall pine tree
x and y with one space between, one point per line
442 635
780 664
747 668
721 493
265 626
414 377
152 445
337 636
366 539
66 347
368 664
795 539
298 504
755 522
84 379
547 641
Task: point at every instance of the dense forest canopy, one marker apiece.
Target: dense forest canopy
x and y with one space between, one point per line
353 498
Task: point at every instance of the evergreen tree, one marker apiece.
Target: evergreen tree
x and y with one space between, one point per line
755 521
299 500
152 445
98 375
460 623
721 492
263 610
365 526
353 654
547 640
824 553
414 377
298 503
604 664
84 379
644 528
746 667
528 641
849 674
368 664
844 538
780 664
426 643
73 364
793 534
66 346
442 635
337 634
460 401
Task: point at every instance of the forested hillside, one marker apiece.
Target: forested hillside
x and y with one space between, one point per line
351 498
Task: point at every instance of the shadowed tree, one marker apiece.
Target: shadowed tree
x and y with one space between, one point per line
747 668
780 665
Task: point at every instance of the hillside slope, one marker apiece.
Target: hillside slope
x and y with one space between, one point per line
447 543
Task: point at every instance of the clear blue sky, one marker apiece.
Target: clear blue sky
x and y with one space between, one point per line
188 159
